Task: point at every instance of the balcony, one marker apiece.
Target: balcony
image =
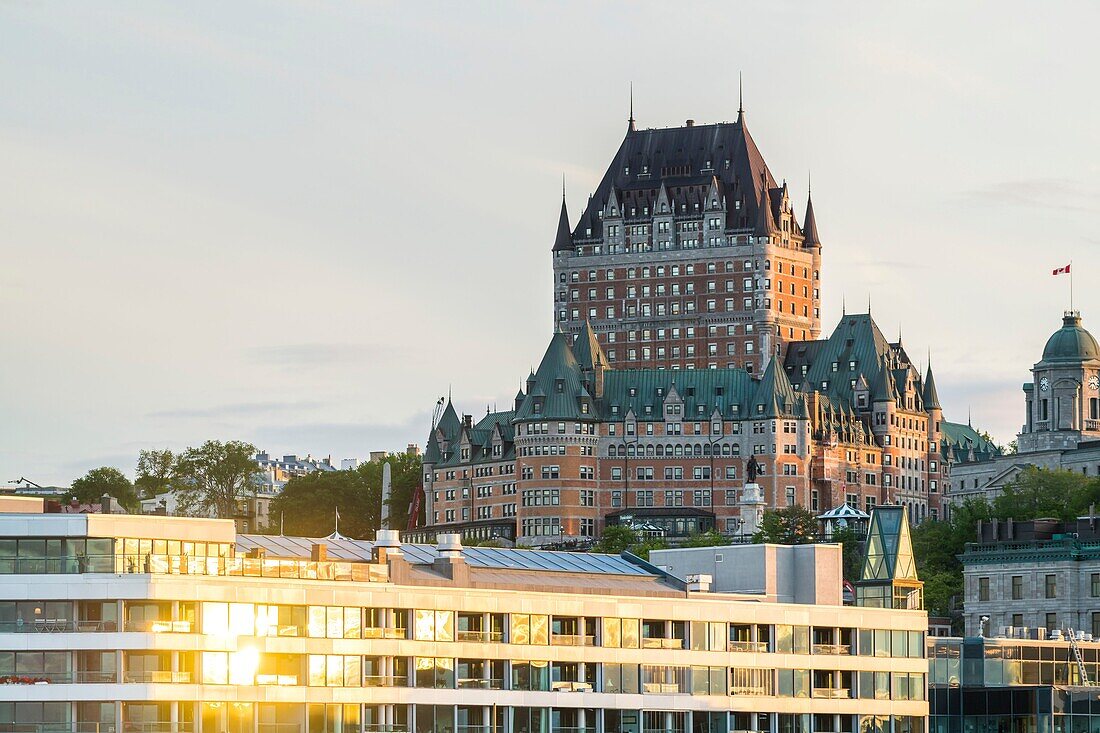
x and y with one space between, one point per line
834 649
832 693
479 683
159 627
572 640
482 637
277 680
661 688
567 686
758 647
157 677
384 632
657 642
385 680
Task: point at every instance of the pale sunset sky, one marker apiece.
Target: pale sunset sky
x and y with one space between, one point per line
300 223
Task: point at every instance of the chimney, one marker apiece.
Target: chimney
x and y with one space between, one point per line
105 504
318 552
451 563
387 543
690 123
468 421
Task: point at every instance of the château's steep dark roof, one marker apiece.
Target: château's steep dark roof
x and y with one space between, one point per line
931 396
677 157
730 391
587 349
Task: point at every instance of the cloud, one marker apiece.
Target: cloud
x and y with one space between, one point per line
311 355
239 409
1058 194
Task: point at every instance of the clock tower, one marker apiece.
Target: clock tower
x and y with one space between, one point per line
1063 397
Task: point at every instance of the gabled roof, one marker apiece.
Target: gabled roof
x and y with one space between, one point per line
964 444
449 424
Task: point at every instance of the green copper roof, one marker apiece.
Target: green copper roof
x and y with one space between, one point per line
1071 342
774 395
639 389
963 444
587 349
558 390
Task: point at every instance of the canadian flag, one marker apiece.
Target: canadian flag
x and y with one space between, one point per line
1061 270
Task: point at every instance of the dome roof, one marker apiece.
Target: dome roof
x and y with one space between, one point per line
1071 342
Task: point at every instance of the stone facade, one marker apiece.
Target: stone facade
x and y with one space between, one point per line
1041 574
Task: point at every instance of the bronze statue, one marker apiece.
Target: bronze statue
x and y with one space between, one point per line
754 469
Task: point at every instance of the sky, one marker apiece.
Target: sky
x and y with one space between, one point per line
300 224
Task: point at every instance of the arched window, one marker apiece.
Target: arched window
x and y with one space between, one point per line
679 449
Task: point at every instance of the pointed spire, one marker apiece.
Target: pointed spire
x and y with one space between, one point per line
809 222
740 99
930 397
630 125
563 240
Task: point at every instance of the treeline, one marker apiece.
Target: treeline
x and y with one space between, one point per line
211 480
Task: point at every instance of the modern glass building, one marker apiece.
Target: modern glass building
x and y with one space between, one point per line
1017 685
174 625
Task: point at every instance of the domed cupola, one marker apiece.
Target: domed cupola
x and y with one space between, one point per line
1071 342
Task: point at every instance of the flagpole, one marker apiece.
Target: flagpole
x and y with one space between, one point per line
1071 285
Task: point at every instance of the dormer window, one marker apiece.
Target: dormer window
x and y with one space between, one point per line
626 170
633 392
614 409
559 385
719 390
852 366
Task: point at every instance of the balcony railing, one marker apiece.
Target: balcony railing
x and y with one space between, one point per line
661 688
567 686
158 677
480 683
159 627
384 632
657 642
572 640
748 646
55 626
277 680
480 636
833 693
835 649
383 680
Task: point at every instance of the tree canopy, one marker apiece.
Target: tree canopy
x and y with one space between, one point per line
92 486
154 472
618 538
307 504
213 478
793 525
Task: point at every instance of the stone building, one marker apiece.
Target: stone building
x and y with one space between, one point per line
1041 574
844 420
1061 429
689 254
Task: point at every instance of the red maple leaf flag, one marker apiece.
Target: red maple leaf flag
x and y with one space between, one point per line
1061 270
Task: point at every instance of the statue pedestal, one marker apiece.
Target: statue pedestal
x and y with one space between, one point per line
752 508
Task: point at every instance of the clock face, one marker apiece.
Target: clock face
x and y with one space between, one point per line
1094 382
1044 384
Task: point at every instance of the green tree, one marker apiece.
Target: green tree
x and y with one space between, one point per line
154 472
94 485
307 505
616 539
793 525
936 547
1038 492
713 538
853 546
213 478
